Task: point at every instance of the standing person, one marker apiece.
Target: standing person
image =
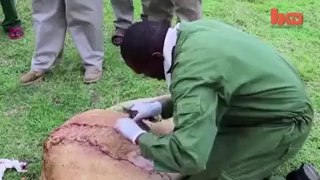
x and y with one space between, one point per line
11 24
185 10
124 12
155 10
240 110
84 19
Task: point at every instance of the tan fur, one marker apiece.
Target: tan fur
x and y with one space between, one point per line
86 147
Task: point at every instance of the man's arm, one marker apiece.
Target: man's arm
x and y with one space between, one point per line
188 148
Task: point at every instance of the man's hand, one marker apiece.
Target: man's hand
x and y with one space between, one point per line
129 129
164 127
146 109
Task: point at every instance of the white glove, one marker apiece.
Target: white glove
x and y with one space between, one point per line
8 163
129 128
146 109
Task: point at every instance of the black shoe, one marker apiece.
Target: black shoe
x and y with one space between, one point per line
304 172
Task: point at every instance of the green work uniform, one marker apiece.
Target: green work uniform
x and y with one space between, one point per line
240 109
10 14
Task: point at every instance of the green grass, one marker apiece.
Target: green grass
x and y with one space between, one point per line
28 114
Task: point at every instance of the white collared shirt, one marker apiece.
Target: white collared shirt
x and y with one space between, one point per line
169 44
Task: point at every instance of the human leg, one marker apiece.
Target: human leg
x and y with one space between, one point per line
123 11
156 10
85 22
50 30
11 23
188 10
253 153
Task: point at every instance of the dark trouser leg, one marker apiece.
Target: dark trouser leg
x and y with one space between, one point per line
159 10
123 11
10 14
188 10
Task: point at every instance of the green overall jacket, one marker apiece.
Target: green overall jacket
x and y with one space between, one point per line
238 106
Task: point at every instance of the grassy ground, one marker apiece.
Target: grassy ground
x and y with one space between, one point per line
28 114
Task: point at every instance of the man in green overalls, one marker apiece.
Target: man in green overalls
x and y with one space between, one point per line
11 24
239 108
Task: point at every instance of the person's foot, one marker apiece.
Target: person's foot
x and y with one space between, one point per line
304 172
15 32
31 77
118 36
92 75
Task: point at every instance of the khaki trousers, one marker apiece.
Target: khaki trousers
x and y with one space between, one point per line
156 10
84 20
164 10
124 12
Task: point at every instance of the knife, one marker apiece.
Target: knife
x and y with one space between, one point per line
141 124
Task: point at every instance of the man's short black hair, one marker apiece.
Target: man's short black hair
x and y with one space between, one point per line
142 39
